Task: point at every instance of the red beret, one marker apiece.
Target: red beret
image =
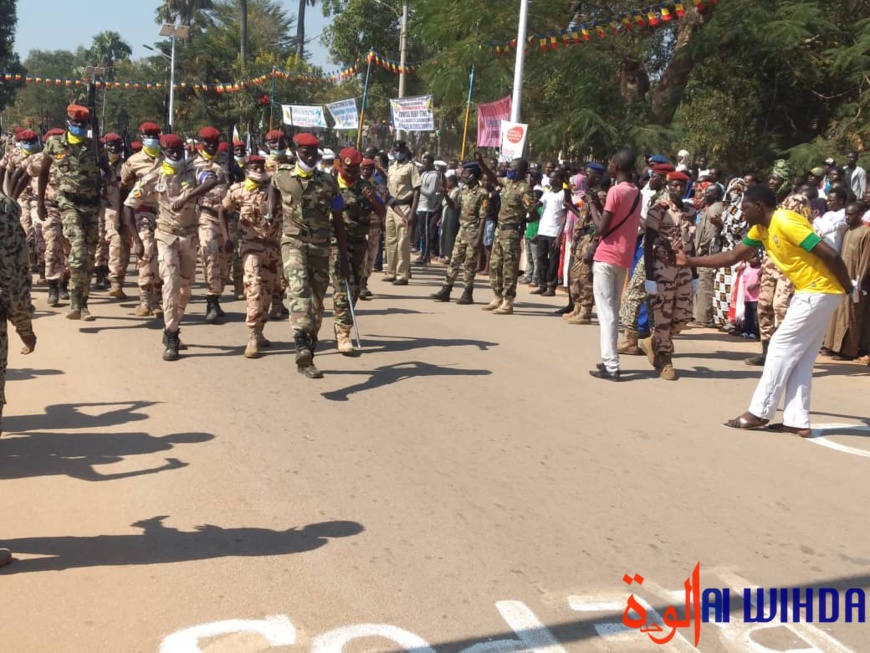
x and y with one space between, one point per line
18 130
678 176
209 134
367 162
350 157
223 146
274 135
663 168
112 137
238 144
28 135
149 129
52 132
171 141
78 113
136 146
306 140
255 159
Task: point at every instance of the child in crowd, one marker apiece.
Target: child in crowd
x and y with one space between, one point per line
751 281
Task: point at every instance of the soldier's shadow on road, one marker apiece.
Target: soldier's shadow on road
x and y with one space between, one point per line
376 343
79 416
390 374
158 544
29 373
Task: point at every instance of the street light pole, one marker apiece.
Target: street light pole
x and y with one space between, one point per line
517 98
403 47
171 85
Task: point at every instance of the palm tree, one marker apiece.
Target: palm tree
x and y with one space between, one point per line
300 27
181 11
107 48
243 24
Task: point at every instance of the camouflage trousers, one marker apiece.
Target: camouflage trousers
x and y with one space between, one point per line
672 307
102 255
176 256
235 264
4 361
81 229
119 247
774 296
635 296
262 268
211 244
56 248
149 271
28 208
306 267
38 237
465 251
372 246
580 281
356 254
504 263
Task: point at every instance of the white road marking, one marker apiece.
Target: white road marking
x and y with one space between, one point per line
820 439
533 635
335 640
277 630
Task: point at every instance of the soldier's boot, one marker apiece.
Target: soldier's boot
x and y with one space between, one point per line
759 360
238 289
75 306
305 357
252 350
506 308
567 310
144 307
64 289
211 314
442 295
342 339
40 280
172 343
575 308
54 292
117 290
467 296
629 345
156 298
494 304
262 341
217 306
646 347
101 274
668 373
364 292
285 312
583 316
278 311
181 345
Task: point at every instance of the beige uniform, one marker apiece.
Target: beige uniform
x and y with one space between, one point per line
117 248
211 234
145 213
402 180
56 249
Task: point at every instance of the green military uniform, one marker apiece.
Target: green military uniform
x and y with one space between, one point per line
580 279
78 199
358 214
635 295
504 263
15 283
471 216
307 202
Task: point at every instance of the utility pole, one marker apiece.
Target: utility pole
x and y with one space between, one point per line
522 27
403 49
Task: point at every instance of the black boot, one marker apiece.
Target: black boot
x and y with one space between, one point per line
217 306
567 309
171 341
442 295
53 292
758 361
467 296
100 275
305 357
211 313
64 289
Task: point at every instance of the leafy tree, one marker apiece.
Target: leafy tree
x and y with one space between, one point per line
8 59
300 27
184 12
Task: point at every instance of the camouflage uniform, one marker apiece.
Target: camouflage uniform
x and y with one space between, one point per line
259 249
27 201
358 217
175 236
52 228
211 239
504 262
15 283
78 180
635 295
580 280
307 205
118 241
145 215
672 304
279 290
471 215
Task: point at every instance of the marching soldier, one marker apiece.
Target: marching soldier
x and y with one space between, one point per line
276 143
174 187
361 207
78 180
311 206
259 237
117 234
367 172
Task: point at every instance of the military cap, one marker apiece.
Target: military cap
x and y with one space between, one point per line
663 168
112 137
28 135
223 146
17 132
368 162
473 167
594 165
678 176
171 141
149 129
255 159
350 156
306 140
238 144
658 158
52 132
274 135
209 134
78 113
136 146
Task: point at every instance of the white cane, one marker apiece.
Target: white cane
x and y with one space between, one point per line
352 312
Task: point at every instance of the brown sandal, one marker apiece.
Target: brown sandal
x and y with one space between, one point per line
747 424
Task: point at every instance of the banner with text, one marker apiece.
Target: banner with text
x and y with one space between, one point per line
413 114
344 114
489 117
513 140
299 115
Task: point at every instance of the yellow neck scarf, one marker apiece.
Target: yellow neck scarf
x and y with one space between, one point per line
153 152
342 184
167 169
301 173
206 155
74 140
113 157
251 185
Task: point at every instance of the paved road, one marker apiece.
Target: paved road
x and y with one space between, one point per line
464 481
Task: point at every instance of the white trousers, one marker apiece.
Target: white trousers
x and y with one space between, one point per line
790 358
607 284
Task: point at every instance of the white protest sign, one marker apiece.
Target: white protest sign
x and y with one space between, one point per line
344 114
299 115
513 139
413 114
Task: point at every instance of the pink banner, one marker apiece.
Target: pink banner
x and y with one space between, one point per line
489 117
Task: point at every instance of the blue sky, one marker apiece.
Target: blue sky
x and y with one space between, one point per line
60 25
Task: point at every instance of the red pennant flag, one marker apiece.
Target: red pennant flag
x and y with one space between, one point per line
681 11
652 18
666 14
